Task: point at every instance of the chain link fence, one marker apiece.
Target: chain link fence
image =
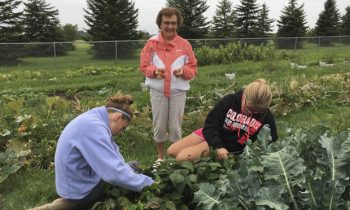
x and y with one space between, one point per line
19 54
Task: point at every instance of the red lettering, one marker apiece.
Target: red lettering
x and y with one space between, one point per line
238 118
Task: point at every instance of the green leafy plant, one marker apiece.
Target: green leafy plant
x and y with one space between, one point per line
174 187
308 169
286 175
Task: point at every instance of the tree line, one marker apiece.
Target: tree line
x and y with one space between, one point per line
118 20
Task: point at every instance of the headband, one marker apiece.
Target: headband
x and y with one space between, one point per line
127 115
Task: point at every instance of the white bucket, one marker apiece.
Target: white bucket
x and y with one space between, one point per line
230 76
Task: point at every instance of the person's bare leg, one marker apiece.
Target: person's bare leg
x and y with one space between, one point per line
160 150
192 152
187 141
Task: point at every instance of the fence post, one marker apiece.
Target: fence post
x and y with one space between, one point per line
54 50
319 41
295 43
116 49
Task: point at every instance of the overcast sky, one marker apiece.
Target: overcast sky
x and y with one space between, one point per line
71 11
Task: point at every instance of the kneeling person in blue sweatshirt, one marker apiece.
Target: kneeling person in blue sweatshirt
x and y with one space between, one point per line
87 158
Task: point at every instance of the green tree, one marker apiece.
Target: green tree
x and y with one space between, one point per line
328 23
223 20
41 24
345 25
10 31
264 22
246 18
144 35
292 23
110 20
194 23
345 22
83 35
70 32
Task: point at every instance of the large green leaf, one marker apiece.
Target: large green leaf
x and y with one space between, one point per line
332 196
5 132
244 184
216 196
11 169
3 157
20 148
271 198
176 178
338 154
188 165
205 197
287 168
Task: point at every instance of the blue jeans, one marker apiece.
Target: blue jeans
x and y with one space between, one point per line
95 195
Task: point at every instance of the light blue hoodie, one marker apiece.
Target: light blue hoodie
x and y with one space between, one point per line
86 153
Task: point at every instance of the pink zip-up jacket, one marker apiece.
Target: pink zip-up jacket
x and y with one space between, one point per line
157 54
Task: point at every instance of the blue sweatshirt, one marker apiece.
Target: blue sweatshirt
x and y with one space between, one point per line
86 153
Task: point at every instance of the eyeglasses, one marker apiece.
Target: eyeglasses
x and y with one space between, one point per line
174 23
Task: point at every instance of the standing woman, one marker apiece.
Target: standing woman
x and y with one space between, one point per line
235 119
168 63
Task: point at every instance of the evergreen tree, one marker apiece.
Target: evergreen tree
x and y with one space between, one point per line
246 18
110 20
345 25
10 25
292 23
264 22
328 23
194 23
224 20
10 31
41 24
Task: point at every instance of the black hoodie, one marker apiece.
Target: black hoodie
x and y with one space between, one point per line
227 127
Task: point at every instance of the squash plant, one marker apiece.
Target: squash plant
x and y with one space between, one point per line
174 187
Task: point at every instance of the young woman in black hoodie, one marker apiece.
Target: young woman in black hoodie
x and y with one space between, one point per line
235 118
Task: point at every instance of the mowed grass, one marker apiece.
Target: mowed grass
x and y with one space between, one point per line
74 59
32 187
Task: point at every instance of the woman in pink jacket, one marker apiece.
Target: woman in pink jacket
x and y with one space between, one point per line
168 63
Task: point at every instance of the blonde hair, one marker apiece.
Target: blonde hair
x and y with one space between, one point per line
120 101
258 94
169 11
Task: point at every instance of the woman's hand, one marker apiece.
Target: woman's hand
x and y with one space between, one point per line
159 73
178 72
221 153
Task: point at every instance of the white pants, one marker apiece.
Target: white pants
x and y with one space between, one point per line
167 112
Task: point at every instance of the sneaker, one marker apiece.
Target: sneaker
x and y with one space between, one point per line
157 163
